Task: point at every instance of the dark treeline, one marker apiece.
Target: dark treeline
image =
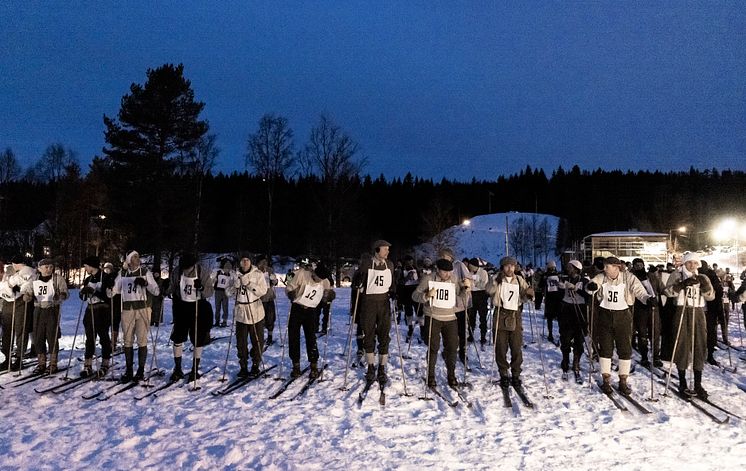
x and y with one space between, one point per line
404 211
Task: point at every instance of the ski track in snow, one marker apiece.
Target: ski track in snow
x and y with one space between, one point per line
325 429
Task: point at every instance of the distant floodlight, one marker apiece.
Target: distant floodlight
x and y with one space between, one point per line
682 229
466 222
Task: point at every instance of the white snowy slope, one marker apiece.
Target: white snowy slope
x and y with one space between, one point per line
484 236
578 428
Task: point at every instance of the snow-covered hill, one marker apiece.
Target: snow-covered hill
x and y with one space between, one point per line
577 428
531 237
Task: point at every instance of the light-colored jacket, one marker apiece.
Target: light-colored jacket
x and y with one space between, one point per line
493 289
251 285
303 277
141 272
673 289
420 296
60 288
632 287
23 279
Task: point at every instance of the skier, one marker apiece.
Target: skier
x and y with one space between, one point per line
115 306
306 291
190 289
133 283
375 281
646 317
508 291
689 290
406 283
714 312
463 277
268 300
47 292
222 278
573 317
97 319
250 286
478 300
553 296
616 291
323 311
437 293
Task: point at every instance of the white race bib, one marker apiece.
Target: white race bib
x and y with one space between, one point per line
311 296
410 277
245 295
130 291
379 281
223 281
509 296
552 283
445 294
188 291
690 296
44 292
613 299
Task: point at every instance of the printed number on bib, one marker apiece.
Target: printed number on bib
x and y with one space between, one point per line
44 292
311 296
509 296
223 281
445 294
613 299
130 292
245 295
188 291
552 284
379 281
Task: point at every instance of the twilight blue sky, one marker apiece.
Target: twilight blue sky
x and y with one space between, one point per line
455 89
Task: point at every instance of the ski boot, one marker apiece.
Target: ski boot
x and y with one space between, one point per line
129 360
452 381
410 332
623 386
382 378
194 374
606 385
142 356
53 364
254 372
270 341
657 363
16 365
711 360
295 372
683 390
244 371
177 373
87 368
41 367
314 371
370 375
431 382
104 369
565 364
698 389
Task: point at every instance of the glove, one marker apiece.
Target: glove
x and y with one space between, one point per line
87 291
329 295
141 281
592 286
466 284
690 281
56 297
702 279
27 297
198 285
569 285
431 293
16 289
530 293
652 301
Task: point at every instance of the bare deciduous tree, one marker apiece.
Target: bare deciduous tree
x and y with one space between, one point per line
10 169
270 155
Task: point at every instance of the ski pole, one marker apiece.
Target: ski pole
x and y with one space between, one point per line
495 328
652 340
427 356
230 338
195 387
675 346
474 343
12 334
326 343
531 322
532 313
260 344
348 346
21 349
401 359
72 348
153 362
417 316
287 340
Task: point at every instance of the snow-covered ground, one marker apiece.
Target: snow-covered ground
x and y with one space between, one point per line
579 428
